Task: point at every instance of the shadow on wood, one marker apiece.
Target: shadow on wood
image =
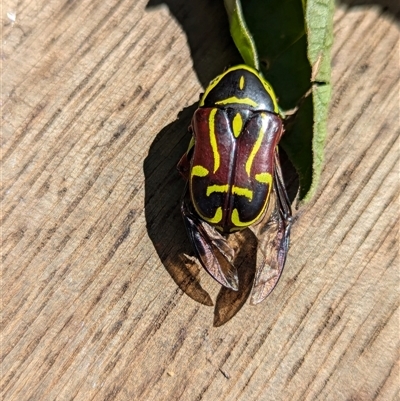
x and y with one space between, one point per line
207 30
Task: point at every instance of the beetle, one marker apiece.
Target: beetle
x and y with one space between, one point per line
234 178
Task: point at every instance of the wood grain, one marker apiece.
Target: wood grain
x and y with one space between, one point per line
99 301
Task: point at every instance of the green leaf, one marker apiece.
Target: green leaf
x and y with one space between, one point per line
240 34
292 39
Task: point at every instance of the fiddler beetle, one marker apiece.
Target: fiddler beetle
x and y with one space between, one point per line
234 178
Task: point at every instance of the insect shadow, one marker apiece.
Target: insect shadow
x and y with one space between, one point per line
163 193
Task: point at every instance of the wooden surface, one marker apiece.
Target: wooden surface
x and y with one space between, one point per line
99 301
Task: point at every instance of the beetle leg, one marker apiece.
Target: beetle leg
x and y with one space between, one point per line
210 247
274 232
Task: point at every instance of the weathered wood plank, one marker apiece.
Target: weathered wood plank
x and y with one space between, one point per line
91 232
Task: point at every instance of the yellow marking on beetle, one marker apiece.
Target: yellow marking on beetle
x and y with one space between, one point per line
248 193
213 139
217 188
217 217
237 125
199 171
266 85
236 220
241 82
191 144
238 223
265 178
234 99
256 146
271 93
